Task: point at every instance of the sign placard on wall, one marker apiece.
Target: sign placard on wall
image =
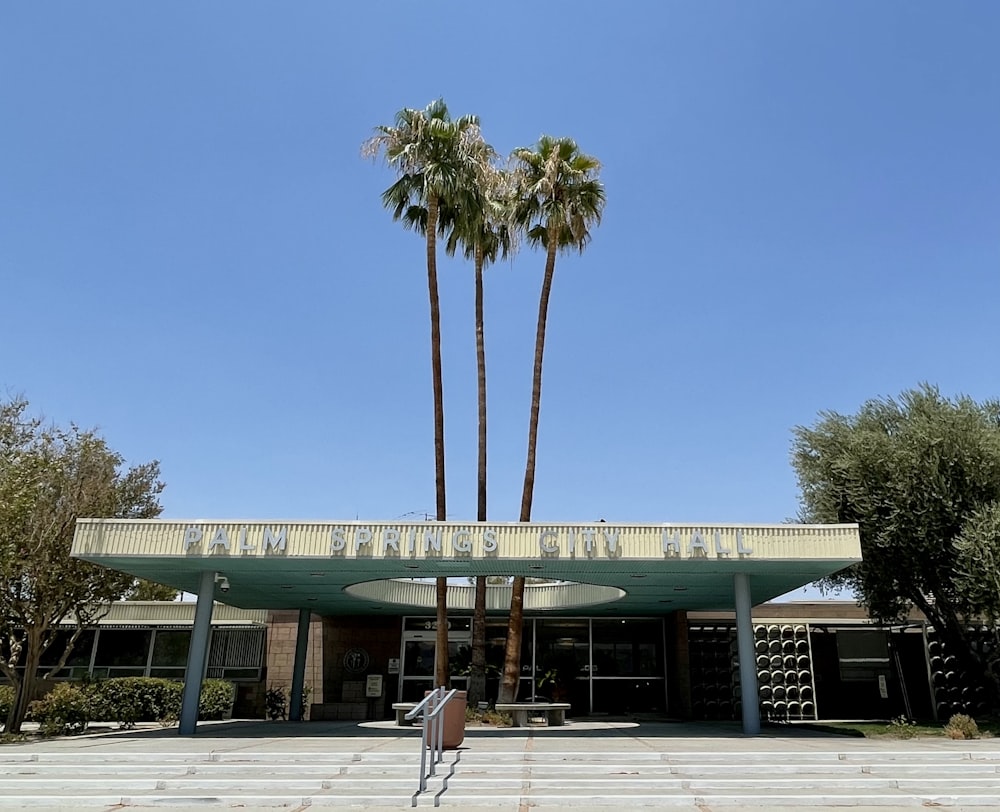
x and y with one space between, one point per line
394 665
373 686
356 660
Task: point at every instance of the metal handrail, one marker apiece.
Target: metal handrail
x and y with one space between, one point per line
432 735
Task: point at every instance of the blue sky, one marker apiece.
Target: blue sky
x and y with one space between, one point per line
803 213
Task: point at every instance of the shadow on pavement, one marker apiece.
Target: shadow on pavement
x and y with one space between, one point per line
574 729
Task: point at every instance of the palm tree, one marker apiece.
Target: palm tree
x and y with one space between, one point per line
480 227
560 198
430 154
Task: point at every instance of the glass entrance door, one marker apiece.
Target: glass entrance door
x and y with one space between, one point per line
419 643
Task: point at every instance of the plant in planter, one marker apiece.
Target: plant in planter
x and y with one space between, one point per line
559 670
276 703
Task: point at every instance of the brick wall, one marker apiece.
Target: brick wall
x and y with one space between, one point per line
282 631
343 686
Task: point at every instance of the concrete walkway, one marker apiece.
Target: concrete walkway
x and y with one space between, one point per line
586 765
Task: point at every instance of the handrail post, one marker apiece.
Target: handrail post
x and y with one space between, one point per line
423 754
440 727
430 721
432 730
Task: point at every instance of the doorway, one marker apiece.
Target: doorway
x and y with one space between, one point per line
418 653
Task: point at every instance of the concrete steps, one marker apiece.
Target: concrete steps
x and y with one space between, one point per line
480 778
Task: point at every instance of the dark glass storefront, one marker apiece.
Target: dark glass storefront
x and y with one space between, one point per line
599 666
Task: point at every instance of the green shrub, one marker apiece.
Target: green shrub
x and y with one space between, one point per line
127 700
216 700
497 718
69 708
961 726
63 710
488 716
7 697
275 703
903 727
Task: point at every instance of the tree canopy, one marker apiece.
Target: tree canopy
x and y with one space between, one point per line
920 474
978 551
447 180
49 477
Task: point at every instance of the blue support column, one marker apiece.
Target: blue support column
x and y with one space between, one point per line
295 709
748 664
197 654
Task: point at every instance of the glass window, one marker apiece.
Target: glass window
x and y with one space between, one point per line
629 695
170 648
459 659
496 647
864 653
415 689
123 647
628 648
418 658
561 656
79 656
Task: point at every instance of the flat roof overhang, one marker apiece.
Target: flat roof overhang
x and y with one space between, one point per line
329 567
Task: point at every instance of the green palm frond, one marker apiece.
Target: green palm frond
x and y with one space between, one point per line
559 194
481 221
434 158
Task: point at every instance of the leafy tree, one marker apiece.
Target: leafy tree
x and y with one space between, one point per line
49 477
480 228
431 155
977 548
148 591
921 476
559 199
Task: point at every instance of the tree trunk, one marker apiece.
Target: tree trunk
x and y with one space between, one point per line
515 622
441 675
25 692
441 639
477 670
481 386
12 724
528 491
441 511
954 634
512 657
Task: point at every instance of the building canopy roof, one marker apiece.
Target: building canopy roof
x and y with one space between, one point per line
361 567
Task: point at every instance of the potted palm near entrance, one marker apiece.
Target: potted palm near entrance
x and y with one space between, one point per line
558 673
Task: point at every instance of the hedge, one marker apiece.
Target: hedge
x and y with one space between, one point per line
6 703
127 700
69 707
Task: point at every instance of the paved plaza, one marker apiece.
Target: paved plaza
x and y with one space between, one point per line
585 765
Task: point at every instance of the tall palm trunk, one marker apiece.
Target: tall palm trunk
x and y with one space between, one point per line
435 307
441 638
528 491
515 622
477 672
481 387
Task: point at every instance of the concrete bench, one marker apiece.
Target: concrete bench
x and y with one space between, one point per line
554 712
403 708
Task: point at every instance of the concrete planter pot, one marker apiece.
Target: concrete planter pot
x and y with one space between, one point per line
454 721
